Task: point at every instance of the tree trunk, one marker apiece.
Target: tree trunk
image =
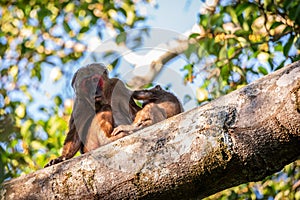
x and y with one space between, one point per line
241 137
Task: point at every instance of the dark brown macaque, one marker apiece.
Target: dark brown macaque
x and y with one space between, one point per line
101 104
158 105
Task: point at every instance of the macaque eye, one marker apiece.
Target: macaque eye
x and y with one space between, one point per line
95 80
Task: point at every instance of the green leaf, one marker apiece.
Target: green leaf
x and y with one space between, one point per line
43 12
241 7
232 14
188 67
84 29
288 46
217 19
271 63
58 100
241 32
218 30
275 24
223 53
230 52
204 20
115 62
66 27
297 43
225 72
278 47
281 65
263 70
1 169
121 38
192 48
194 35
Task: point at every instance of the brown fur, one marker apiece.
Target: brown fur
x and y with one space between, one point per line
158 105
100 105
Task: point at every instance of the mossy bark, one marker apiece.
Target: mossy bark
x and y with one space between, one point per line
241 137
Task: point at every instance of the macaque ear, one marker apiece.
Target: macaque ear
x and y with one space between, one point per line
105 72
158 87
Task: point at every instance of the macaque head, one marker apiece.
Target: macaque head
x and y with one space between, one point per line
88 83
149 95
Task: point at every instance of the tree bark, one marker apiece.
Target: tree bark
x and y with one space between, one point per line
241 137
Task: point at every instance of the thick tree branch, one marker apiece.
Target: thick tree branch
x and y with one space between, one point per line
241 137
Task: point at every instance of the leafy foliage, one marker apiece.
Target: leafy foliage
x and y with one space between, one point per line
38 38
242 40
282 185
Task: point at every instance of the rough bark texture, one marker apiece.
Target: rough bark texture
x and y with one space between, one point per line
241 137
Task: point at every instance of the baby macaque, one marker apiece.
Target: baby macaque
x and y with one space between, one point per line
158 105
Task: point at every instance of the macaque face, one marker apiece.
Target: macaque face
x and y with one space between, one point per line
91 86
88 84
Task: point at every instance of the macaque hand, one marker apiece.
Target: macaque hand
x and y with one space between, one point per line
128 129
55 161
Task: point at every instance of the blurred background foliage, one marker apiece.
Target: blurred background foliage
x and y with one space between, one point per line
235 43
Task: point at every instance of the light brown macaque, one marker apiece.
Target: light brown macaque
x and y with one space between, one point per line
158 105
101 104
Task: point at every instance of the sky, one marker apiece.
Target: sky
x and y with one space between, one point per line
177 15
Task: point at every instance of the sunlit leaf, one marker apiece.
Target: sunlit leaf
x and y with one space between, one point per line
288 45
20 111
194 35
231 51
201 94
58 100
263 70
276 24
297 43
121 38
223 53
241 7
278 47
66 27
84 29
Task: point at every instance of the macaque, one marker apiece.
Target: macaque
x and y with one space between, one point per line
158 105
101 104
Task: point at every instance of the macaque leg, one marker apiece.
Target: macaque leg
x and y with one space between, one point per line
71 145
100 130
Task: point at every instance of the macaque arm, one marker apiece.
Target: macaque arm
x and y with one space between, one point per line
71 145
99 130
